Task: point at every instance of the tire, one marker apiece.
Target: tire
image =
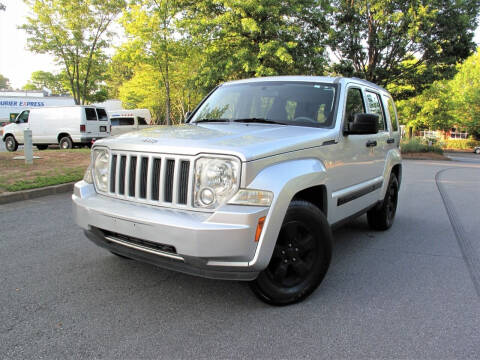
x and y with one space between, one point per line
42 147
300 259
65 143
477 151
381 217
11 144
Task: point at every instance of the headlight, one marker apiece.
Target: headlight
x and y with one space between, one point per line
216 181
101 159
252 197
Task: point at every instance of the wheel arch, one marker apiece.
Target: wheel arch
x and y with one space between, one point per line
62 135
295 179
7 134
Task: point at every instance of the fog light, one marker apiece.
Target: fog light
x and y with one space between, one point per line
207 196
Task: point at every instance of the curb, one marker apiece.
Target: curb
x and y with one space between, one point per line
35 193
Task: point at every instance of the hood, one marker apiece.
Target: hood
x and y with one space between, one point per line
247 141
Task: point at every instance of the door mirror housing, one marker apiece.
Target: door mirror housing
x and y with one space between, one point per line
187 115
17 121
362 124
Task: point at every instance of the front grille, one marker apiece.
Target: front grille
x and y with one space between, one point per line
157 179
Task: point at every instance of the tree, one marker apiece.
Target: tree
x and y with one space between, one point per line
44 79
76 33
387 41
465 94
251 38
4 82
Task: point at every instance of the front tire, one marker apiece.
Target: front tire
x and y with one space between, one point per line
381 218
11 144
300 259
65 143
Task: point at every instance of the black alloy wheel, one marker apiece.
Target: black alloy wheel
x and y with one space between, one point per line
300 258
381 217
11 144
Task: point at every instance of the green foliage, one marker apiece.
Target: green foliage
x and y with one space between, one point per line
465 94
4 82
44 79
76 33
241 39
419 145
388 41
447 103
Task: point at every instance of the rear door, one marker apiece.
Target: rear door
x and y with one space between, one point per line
104 122
378 151
92 124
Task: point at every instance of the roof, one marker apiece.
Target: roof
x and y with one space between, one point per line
303 78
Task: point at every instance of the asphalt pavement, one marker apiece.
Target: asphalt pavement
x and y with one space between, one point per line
410 292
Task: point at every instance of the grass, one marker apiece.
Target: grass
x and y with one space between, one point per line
55 167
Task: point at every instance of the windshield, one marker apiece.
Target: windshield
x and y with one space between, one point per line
288 103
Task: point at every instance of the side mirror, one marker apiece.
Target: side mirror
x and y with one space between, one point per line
17 121
187 115
363 124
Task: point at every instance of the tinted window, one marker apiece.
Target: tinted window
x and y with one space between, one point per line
141 121
23 117
393 114
291 103
91 114
125 121
375 107
354 104
102 114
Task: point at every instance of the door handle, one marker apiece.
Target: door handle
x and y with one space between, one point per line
371 143
390 141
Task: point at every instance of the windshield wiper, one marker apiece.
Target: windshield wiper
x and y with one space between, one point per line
259 120
211 120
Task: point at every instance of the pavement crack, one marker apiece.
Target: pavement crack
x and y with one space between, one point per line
469 254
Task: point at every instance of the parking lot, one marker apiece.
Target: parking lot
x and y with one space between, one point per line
410 292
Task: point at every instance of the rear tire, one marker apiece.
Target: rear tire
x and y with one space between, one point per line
11 144
300 259
381 217
65 143
42 147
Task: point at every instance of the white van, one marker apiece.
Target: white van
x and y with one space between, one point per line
63 125
129 120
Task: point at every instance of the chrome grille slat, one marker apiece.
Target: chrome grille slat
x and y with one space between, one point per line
155 179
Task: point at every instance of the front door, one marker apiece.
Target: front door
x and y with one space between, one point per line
21 123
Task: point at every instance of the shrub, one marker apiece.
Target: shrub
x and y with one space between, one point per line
460 144
418 145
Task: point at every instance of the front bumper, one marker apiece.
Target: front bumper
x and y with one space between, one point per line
216 245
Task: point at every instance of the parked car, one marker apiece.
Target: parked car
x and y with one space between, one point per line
251 186
63 125
477 150
129 120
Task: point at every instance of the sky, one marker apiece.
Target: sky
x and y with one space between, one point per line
16 62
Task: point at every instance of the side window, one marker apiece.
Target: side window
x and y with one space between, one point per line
123 121
102 115
354 104
393 114
23 117
141 121
91 114
375 107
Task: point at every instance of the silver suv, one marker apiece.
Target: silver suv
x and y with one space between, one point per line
251 186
